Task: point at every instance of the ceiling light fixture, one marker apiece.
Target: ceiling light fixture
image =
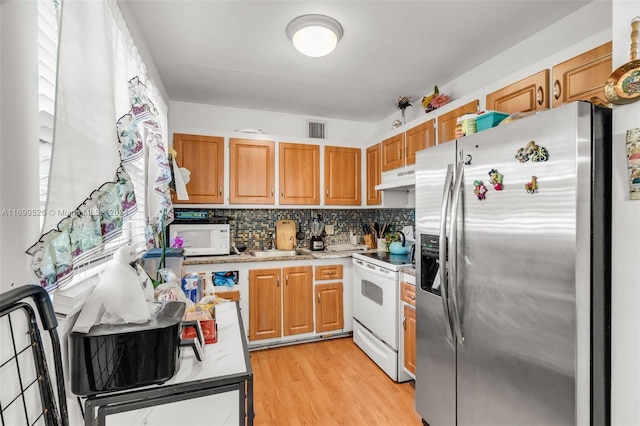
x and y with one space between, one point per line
314 35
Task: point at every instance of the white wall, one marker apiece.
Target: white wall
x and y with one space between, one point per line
584 29
19 140
625 308
216 120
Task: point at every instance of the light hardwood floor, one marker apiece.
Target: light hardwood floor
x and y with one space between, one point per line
331 382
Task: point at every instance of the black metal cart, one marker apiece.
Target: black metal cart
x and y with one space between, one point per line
28 396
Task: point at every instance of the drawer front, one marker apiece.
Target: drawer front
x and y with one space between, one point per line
408 293
233 295
328 272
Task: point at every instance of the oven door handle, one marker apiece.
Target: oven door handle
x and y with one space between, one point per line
446 198
453 249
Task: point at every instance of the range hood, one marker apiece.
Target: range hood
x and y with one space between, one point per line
403 179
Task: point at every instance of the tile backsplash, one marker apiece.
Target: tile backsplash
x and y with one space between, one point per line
251 227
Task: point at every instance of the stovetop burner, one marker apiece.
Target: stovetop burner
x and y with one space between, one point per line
385 259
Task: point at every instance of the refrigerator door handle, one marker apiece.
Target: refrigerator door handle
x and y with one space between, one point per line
446 197
453 249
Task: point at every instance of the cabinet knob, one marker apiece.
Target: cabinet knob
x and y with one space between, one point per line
404 323
557 90
272 191
220 190
318 297
282 191
327 192
540 95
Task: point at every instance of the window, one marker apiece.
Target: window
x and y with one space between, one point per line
48 18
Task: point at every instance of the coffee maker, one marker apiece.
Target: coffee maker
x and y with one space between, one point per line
317 231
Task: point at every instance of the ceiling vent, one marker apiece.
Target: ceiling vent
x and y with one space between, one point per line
316 129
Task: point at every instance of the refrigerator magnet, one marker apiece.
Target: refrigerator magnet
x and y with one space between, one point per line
532 187
480 190
495 179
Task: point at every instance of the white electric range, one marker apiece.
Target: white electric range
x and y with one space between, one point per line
376 300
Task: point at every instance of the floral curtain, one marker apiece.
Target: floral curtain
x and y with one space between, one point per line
100 78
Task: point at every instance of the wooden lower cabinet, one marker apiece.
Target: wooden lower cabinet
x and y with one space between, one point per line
297 297
329 309
265 299
409 324
280 302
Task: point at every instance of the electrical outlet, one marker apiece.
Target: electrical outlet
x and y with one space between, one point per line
329 229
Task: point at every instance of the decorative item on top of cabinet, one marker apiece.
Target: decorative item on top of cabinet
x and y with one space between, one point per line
251 171
447 121
419 137
204 157
528 94
374 174
583 77
269 289
299 173
342 176
392 152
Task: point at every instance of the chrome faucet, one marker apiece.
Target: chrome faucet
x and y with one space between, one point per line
272 241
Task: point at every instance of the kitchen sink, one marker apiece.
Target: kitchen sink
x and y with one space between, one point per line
273 253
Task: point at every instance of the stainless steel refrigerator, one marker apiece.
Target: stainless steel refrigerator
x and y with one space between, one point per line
515 329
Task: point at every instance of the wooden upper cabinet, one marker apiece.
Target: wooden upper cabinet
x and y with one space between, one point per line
583 77
374 175
342 176
528 94
393 152
251 171
203 156
299 173
447 121
419 137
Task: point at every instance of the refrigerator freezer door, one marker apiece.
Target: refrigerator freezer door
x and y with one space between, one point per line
516 275
435 352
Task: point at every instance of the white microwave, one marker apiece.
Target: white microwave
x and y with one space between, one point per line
203 239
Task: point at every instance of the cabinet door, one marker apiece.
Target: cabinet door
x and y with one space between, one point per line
392 152
528 94
583 77
203 156
409 325
420 137
298 300
342 176
447 121
374 175
251 172
299 173
264 304
329 310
